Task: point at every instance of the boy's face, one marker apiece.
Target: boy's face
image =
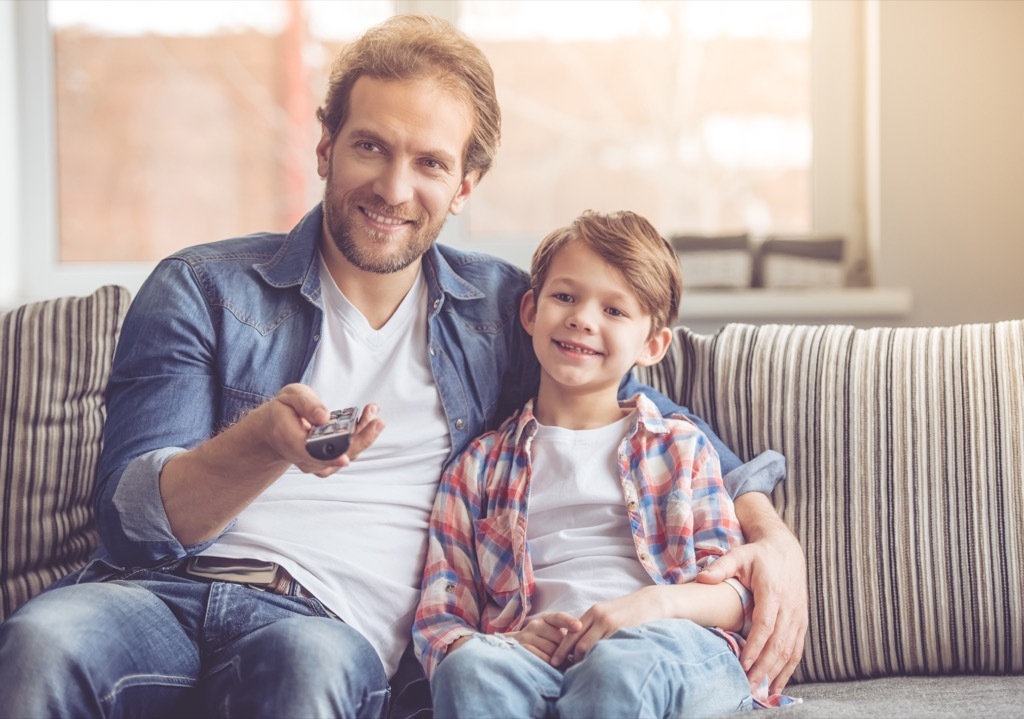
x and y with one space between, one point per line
587 325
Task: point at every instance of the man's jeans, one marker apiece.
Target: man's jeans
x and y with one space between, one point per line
670 667
162 645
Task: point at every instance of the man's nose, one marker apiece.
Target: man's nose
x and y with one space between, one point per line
395 184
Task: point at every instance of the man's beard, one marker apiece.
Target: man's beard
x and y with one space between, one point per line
338 210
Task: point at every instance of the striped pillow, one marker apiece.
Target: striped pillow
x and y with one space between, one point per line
905 450
54 361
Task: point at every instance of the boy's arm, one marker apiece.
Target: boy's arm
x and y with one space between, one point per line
450 603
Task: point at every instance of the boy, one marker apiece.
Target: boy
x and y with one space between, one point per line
563 546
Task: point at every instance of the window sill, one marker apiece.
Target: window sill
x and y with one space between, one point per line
847 303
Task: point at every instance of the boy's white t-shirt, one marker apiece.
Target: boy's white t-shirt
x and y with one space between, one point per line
357 539
578 531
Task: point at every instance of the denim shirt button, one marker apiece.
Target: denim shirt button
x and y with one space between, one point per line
459 424
433 351
437 303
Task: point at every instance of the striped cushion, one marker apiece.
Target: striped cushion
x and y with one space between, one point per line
54 361
905 450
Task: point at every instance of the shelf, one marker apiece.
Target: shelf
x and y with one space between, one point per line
796 304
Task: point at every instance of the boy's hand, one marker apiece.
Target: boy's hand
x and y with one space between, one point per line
774 569
542 635
604 619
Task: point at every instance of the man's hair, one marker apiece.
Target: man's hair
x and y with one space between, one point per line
630 244
419 47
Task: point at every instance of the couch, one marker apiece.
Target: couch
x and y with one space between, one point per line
905 487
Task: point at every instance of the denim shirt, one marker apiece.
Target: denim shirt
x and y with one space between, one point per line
218 329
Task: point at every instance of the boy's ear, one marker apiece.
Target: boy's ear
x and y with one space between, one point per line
528 311
656 347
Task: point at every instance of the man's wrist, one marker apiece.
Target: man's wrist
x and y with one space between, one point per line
758 517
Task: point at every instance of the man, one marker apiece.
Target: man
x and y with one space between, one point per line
238 574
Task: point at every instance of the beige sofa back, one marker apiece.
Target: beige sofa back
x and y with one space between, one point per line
905 486
55 358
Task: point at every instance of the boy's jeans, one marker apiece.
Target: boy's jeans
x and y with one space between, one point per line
163 645
671 667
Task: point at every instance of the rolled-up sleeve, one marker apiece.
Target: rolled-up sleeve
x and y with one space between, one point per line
161 400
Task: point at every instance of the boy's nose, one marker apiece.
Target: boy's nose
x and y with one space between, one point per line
581 322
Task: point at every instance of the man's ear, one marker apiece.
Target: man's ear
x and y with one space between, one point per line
528 311
655 348
323 153
464 191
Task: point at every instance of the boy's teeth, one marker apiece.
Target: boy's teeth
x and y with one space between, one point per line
575 348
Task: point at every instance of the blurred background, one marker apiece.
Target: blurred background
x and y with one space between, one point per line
890 130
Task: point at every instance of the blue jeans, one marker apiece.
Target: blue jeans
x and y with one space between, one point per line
148 643
671 667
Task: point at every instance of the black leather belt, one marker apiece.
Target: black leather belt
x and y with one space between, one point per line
265 576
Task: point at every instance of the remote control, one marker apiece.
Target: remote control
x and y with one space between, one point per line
329 441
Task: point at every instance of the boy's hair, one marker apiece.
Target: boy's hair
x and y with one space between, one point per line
417 47
630 244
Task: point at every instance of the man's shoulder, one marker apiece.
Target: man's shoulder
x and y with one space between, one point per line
486 272
249 249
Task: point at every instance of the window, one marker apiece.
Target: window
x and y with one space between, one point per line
175 127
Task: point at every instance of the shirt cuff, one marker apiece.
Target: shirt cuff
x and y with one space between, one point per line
760 474
747 599
138 502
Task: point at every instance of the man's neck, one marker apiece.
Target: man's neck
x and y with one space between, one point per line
376 296
558 406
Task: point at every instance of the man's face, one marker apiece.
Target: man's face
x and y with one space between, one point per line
394 171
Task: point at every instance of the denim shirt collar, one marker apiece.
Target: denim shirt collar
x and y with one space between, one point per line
297 263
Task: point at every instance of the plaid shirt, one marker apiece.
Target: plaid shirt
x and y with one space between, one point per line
478 575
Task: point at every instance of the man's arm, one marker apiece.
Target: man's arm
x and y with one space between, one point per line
772 565
166 401
204 489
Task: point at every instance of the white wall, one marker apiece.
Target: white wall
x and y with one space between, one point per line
952 157
9 163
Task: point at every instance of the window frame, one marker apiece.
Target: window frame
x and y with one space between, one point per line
839 168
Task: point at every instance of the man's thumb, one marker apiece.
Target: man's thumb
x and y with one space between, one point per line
718 571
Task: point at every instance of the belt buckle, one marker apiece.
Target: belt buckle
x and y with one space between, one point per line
239 571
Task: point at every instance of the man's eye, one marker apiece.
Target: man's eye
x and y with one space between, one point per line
369 147
433 164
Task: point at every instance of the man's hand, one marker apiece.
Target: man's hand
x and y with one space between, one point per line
772 565
288 417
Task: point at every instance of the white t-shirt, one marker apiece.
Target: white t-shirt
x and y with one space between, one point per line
357 539
578 532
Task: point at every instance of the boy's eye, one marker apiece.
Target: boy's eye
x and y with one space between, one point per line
562 297
615 312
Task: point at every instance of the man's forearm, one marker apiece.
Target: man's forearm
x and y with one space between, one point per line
205 488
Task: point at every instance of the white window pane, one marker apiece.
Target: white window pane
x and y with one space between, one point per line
186 122
696 114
